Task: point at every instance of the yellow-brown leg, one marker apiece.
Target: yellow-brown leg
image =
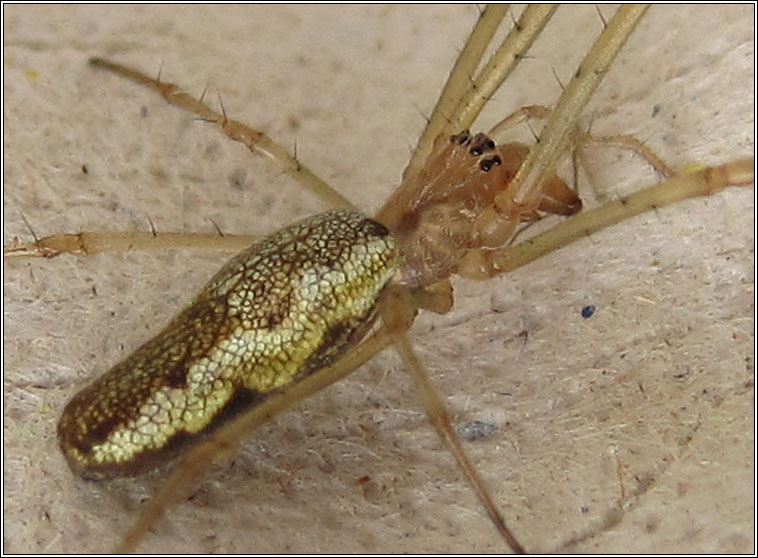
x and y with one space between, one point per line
484 263
225 441
498 224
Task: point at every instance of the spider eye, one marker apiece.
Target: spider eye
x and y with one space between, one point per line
487 164
482 144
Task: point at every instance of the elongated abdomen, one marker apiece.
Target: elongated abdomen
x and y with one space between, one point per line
285 307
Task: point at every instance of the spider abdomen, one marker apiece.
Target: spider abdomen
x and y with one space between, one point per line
281 309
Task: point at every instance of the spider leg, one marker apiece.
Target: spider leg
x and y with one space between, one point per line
503 61
88 243
498 223
623 141
453 114
256 141
581 140
224 441
463 96
460 78
482 263
397 314
518 116
629 143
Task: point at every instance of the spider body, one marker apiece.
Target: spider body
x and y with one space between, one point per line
441 206
302 455
280 310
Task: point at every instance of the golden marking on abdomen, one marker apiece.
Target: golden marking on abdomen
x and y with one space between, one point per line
285 307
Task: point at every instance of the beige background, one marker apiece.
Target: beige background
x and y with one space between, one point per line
628 432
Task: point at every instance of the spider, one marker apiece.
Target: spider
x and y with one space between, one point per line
324 428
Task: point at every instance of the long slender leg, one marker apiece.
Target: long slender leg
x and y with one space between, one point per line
481 88
482 263
497 224
518 116
396 314
89 243
555 138
224 441
500 65
629 143
458 81
256 141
